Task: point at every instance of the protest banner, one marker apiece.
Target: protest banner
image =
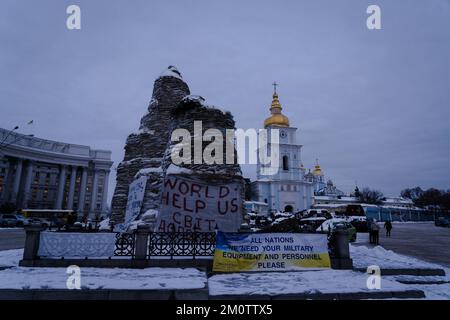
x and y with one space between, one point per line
237 252
136 193
189 204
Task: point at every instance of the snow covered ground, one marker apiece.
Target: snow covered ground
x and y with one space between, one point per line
10 258
434 291
268 283
96 278
323 281
332 281
364 256
273 283
386 259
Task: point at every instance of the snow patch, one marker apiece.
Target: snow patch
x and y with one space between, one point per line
104 225
147 171
10 258
194 98
200 100
386 259
102 278
273 283
171 71
174 169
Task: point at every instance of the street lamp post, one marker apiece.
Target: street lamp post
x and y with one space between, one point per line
3 145
7 136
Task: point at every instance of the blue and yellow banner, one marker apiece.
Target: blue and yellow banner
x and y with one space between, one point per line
236 252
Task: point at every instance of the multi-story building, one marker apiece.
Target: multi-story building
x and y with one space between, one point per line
290 188
287 189
42 174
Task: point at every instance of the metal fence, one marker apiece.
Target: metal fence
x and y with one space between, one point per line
403 214
181 244
125 244
176 244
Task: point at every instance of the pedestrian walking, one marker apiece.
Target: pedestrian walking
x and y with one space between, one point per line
374 232
388 227
369 228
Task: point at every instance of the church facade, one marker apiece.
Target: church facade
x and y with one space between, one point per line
291 188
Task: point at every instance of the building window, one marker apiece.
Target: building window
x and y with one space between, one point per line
285 163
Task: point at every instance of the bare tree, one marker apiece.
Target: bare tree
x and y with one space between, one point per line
413 194
371 196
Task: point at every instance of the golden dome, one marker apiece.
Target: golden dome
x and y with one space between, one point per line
317 169
277 118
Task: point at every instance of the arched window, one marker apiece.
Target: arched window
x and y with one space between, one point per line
285 163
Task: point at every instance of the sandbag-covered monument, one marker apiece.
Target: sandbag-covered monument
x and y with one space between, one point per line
178 184
182 197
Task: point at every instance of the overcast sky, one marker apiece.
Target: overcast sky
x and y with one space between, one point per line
372 105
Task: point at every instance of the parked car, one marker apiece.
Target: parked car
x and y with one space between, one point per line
442 222
339 224
316 213
13 220
43 222
311 224
360 223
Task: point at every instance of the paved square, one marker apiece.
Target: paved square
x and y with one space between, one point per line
424 241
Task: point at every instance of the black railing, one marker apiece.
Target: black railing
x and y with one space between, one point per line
125 243
175 244
184 244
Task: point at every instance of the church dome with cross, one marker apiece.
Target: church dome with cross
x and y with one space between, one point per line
276 118
288 188
317 169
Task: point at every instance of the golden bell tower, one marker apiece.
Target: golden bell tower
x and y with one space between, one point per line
276 118
317 169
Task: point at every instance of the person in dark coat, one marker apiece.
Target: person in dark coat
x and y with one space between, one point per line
69 219
388 227
374 232
369 228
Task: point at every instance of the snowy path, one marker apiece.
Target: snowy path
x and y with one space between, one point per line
332 281
269 283
274 283
96 278
386 259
